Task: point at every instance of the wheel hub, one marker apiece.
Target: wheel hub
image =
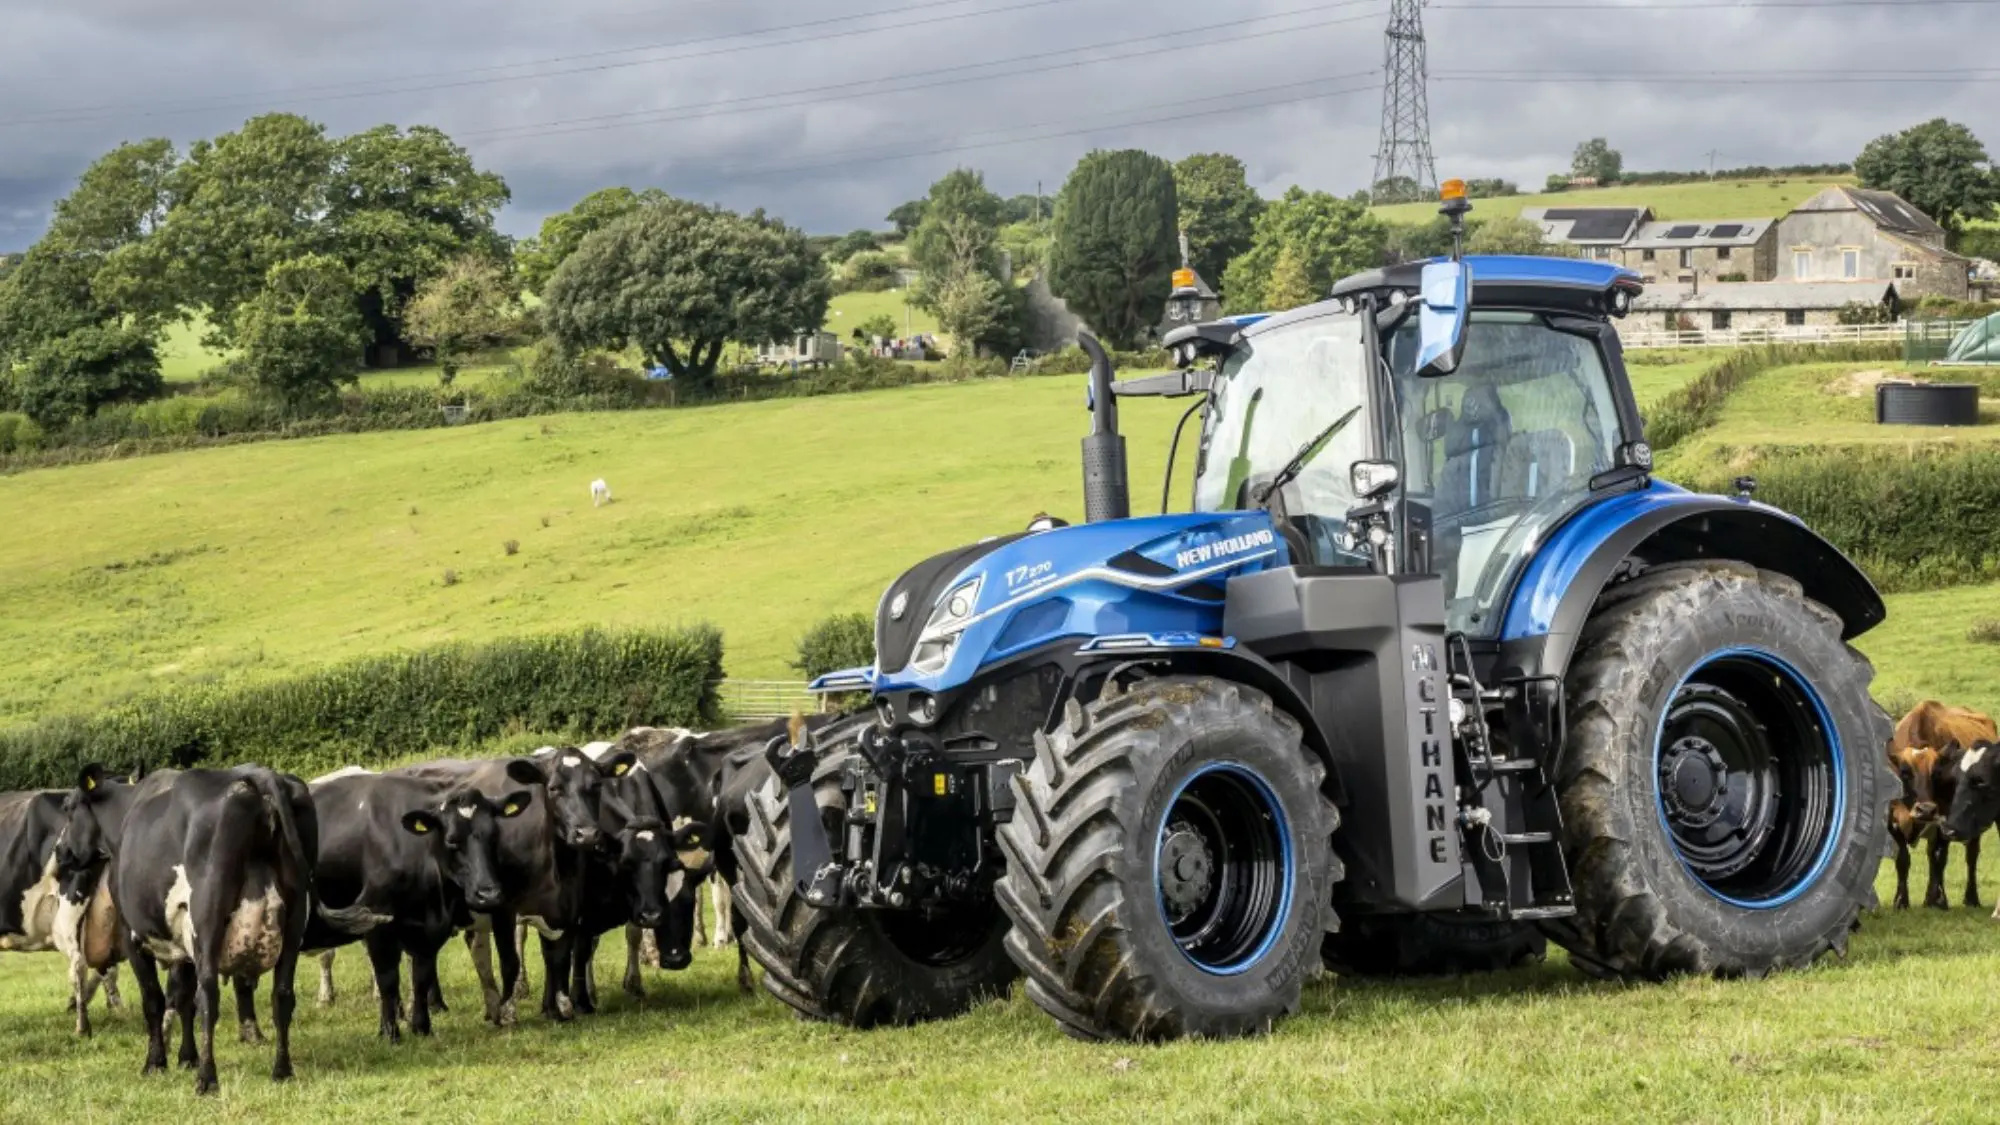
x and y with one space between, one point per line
1187 866
1694 781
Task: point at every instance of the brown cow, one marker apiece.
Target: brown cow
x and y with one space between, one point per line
1925 752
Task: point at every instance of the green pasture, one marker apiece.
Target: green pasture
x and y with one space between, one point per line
1717 199
1901 1030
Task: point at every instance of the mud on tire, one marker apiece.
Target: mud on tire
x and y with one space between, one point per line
1642 909
1096 818
862 968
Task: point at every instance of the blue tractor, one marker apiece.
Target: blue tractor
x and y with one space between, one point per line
1434 670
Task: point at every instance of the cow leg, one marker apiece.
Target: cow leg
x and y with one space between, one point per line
184 1004
85 988
520 994
1902 899
725 911
112 1001
582 951
152 1005
285 1001
744 982
436 997
208 1002
385 955
510 966
635 985
1972 872
557 955
246 1010
479 946
1940 850
423 984
326 992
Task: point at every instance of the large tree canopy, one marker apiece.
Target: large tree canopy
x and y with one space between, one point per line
1939 166
677 280
1596 159
960 226
539 257
1327 236
1115 245
1218 210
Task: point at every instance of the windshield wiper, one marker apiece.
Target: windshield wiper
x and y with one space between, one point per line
1305 455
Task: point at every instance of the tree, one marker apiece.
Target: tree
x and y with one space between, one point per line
47 296
907 216
1397 189
538 257
1491 189
960 226
845 640
1512 235
1114 243
678 280
1289 285
302 335
1939 166
852 243
973 308
469 307
71 376
881 324
1332 237
1025 209
1596 159
1218 210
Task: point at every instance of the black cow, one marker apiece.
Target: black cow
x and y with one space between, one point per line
1976 804
34 914
212 873
539 863
401 868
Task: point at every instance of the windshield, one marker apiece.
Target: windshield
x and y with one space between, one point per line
1502 449
1276 393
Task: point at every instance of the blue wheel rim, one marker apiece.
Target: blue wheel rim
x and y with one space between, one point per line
1228 922
1749 778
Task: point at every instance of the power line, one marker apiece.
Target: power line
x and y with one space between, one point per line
240 101
1736 78
876 156
1175 41
1703 5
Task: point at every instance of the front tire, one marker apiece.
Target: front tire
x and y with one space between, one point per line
862 968
1169 863
1724 793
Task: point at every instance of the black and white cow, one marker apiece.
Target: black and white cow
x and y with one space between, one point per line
211 873
36 917
539 866
401 868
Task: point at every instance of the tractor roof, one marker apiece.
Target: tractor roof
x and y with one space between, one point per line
1511 281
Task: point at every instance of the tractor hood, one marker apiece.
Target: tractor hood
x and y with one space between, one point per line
957 613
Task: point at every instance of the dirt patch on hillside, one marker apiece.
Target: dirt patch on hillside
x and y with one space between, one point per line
1859 384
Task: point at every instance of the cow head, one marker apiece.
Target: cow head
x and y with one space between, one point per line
1977 802
94 812
464 833
694 863
576 786
1916 808
645 859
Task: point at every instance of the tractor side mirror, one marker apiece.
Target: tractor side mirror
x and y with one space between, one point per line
1444 304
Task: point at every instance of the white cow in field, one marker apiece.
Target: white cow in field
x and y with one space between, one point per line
600 493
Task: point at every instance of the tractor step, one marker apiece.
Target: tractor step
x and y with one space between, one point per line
1509 765
1538 913
1527 838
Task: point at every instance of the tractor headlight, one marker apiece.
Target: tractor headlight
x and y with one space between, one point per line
948 620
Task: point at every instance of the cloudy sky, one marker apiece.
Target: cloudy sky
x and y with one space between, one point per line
829 112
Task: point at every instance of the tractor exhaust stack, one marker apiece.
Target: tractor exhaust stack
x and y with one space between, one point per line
1107 495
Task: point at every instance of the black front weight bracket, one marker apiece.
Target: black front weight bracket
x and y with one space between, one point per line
819 877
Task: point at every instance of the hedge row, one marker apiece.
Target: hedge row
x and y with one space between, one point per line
1695 406
368 711
1913 517
189 422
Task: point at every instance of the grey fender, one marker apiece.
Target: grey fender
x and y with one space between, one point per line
1555 593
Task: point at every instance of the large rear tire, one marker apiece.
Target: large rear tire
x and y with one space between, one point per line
1425 945
1170 868
862 968
1724 791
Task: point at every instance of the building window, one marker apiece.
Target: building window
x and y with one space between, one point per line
1903 271
1719 320
1801 265
1722 253
1670 321
1850 264
1647 255
1795 318
1687 259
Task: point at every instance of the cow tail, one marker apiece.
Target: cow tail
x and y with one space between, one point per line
279 802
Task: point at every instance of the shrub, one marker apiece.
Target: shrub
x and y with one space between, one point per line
575 685
18 434
74 375
868 272
845 640
556 371
301 336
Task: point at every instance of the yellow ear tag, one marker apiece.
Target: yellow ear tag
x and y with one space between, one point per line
90 783
511 809
421 827
620 771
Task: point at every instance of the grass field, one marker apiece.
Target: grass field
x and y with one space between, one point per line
1902 1031
1721 199
850 309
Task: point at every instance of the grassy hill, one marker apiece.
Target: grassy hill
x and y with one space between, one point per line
1719 199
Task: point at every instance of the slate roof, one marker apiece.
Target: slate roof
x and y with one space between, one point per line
1606 225
1678 236
1762 295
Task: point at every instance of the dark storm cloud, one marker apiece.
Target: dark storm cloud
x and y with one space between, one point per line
96 72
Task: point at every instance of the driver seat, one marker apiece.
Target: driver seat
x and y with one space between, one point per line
1475 444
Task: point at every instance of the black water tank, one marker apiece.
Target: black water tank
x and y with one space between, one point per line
1927 404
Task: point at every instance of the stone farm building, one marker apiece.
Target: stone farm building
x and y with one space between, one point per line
1596 232
1849 234
1756 305
1703 252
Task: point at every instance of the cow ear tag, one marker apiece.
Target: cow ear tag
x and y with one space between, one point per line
89 783
511 809
622 769
421 827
